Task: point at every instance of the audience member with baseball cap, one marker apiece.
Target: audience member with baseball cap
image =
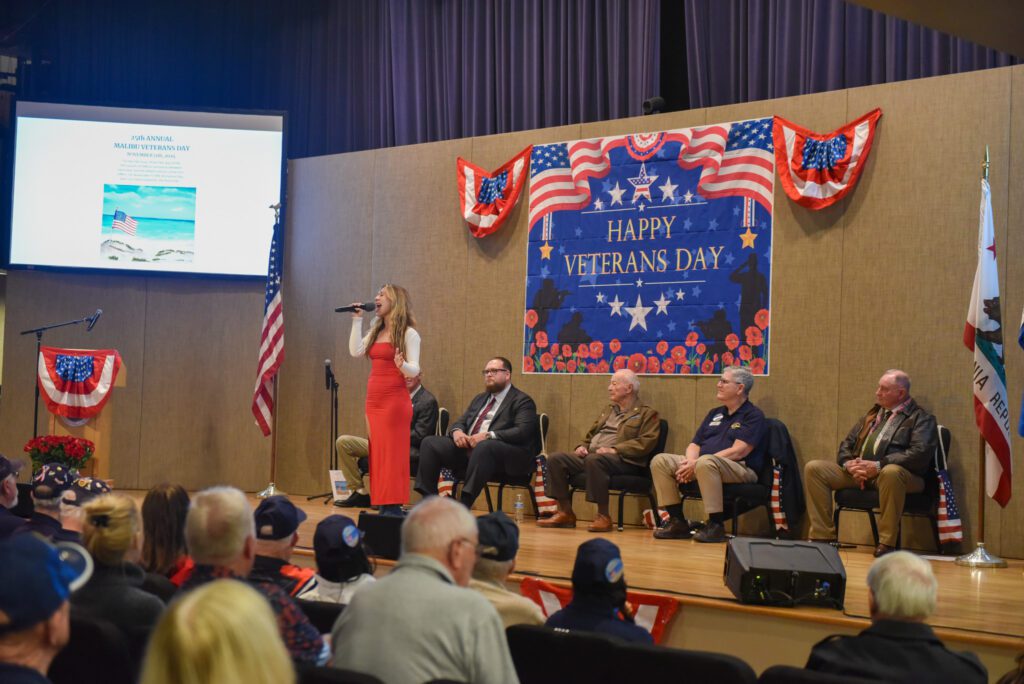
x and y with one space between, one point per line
499 543
48 487
36 579
599 595
341 561
277 532
82 491
9 523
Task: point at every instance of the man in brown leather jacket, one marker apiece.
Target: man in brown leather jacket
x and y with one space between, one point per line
889 449
620 442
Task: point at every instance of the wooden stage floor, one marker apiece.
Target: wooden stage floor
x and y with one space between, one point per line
982 607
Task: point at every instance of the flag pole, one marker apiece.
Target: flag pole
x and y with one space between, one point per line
271 489
980 557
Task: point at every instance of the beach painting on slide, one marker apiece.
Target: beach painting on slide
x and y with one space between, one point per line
148 223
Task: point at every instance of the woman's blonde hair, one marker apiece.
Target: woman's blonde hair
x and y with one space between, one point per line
400 316
223 631
110 527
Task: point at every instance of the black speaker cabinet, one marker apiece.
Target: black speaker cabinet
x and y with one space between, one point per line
785 573
382 534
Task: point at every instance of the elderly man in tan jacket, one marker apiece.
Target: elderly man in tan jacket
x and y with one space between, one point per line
499 543
620 442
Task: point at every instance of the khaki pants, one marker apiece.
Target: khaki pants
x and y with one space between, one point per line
350 450
711 473
893 483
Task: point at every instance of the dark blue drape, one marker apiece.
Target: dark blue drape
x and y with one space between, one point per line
355 74
746 50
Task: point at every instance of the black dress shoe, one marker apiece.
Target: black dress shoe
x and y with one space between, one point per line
883 549
713 533
355 500
673 529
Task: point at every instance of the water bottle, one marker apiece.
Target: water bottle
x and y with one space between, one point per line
519 507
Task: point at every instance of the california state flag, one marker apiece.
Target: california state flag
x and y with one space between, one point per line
983 335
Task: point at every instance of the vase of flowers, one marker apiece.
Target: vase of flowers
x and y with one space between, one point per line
73 452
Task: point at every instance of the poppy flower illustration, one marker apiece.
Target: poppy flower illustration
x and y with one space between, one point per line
571 366
546 361
662 347
745 353
754 336
757 366
566 351
761 319
728 359
732 341
691 339
707 367
684 369
582 351
596 349
527 364
679 354
668 366
637 363
653 365
560 366
701 348
620 362
531 318
615 346
541 339
602 367
592 368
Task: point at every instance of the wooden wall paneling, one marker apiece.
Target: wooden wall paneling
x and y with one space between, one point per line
1011 541
41 298
327 264
201 344
909 252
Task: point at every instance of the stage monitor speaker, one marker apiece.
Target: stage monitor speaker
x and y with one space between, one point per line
382 534
785 573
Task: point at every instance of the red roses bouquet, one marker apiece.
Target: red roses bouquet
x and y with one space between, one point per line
73 452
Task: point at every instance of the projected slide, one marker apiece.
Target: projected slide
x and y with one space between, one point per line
144 190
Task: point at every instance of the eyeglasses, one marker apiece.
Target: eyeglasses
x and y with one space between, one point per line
463 540
723 381
493 371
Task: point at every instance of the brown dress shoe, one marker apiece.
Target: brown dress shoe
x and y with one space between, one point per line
602 523
673 529
883 549
559 519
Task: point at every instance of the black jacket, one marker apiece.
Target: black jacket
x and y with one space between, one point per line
114 594
910 443
779 450
424 419
514 423
896 651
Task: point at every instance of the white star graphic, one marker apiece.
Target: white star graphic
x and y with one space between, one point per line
639 283
616 306
688 197
639 314
617 192
600 297
680 294
668 190
662 305
598 204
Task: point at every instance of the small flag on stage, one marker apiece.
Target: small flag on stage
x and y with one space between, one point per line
271 339
446 482
950 529
124 223
778 515
545 504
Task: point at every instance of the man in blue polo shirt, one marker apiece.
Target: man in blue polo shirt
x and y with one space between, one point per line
724 450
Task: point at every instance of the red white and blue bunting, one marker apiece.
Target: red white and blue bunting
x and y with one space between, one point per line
76 383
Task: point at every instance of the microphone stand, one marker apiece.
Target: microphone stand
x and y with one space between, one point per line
38 332
332 435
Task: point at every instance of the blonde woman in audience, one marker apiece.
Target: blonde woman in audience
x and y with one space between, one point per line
111 532
221 632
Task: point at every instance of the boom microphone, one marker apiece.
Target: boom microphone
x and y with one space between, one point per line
92 320
365 306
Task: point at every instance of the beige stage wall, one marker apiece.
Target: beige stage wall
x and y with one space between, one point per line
880 280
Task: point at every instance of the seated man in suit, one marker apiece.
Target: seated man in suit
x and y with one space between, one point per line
724 450
619 442
889 449
352 448
898 646
497 433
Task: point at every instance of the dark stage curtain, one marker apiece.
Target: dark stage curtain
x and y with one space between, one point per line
746 50
356 74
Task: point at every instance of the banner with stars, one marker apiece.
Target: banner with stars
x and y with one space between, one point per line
651 252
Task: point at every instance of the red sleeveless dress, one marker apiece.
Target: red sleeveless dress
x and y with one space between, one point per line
389 414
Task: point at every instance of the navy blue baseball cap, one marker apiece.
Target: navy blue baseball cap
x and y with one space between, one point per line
499 536
598 565
336 542
84 490
36 578
52 479
10 467
277 518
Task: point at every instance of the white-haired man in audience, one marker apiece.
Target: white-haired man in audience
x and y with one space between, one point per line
221 538
898 646
418 623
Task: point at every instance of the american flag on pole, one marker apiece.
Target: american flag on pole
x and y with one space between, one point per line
124 223
950 528
778 515
271 339
545 504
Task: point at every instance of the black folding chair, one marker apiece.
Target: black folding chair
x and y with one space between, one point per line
505 480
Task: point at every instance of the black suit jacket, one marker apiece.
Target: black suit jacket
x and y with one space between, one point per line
515 422
424 419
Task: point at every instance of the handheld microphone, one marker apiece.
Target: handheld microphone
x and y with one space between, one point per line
328 374
92 320
365 306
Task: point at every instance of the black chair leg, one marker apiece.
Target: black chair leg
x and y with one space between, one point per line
772 530
501 496
874 526
934 520
835 520
533 500
487 493
622 499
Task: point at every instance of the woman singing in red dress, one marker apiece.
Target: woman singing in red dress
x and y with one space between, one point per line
393 347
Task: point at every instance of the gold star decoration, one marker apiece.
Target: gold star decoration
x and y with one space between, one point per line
748 239
545 251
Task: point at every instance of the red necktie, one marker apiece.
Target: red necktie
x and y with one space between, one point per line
483 414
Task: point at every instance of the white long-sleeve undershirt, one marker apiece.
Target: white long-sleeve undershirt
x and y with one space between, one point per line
357 347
